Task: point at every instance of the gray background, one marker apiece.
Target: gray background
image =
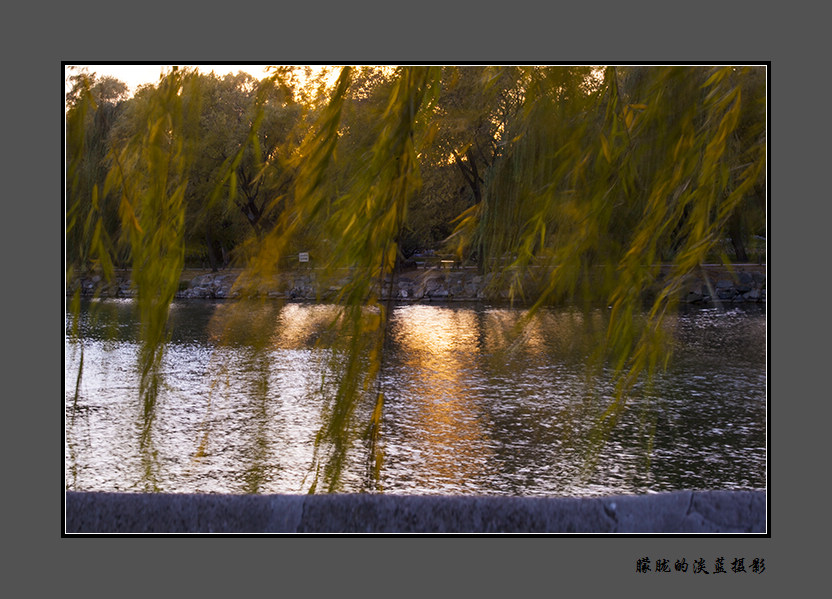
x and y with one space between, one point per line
518 32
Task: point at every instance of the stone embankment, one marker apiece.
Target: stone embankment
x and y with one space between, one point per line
742 283
678 512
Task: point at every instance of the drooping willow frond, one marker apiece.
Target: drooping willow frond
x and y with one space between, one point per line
151 170
86 232
358 227
600 186
369 221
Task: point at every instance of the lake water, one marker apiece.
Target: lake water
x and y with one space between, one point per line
461 414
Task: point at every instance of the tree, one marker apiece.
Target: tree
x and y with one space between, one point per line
473 109
150 168
93 106
244 125
599 187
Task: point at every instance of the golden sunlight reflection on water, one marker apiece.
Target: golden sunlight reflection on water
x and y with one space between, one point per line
439 347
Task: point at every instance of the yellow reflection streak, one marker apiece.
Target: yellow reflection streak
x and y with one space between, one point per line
440 345
299 325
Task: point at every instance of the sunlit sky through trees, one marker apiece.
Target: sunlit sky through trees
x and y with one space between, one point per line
135 75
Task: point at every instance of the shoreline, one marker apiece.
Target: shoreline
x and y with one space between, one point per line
713 283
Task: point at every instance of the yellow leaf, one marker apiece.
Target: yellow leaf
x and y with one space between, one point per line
717 76
605 147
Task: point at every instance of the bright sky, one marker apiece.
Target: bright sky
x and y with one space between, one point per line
135 75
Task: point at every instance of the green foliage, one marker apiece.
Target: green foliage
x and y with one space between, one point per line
580 179
91 212
361 228
602 184
151 169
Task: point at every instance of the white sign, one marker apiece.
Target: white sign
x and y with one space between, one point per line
303 257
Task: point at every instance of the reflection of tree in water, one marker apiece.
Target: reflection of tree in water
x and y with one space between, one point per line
551 395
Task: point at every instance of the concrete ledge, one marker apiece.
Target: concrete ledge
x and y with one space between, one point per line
679 512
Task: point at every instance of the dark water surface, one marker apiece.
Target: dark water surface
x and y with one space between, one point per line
461 414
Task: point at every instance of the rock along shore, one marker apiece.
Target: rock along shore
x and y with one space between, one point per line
707 512
742 283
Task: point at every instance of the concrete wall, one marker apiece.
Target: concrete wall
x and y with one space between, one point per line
678 512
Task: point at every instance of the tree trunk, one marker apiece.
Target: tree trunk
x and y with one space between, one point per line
735 231
212 256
